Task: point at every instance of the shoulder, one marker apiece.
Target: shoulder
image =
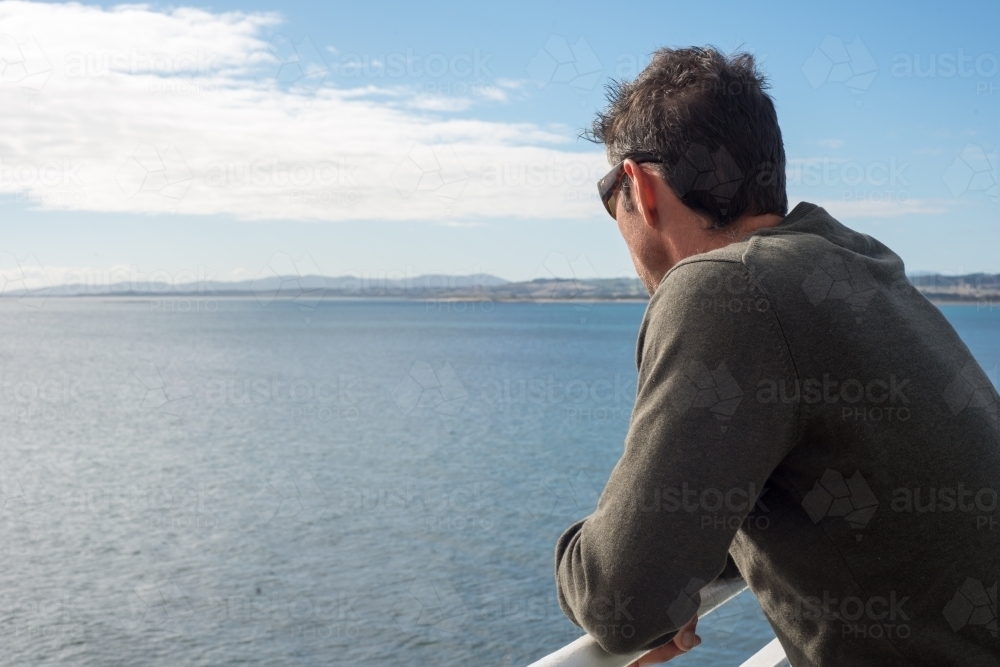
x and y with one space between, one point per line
706 301
711 284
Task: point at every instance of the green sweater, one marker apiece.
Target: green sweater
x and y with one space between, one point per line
805 415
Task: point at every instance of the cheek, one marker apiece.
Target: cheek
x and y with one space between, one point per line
628 233
645 245
637 242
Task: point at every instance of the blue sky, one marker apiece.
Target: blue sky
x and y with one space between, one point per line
396 139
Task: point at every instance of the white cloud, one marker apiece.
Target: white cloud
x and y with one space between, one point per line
196 112
456 224
831 143
495 93
439 103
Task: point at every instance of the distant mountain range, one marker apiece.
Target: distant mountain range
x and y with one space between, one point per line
939 288
966 288
429 286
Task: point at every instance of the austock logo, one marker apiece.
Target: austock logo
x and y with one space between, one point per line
23 63
431 608
33 494
434 170
285 276
719 508
835 62
49 616
873 400
297 65
423 387
686 604
559 277
833 496
160 605
714 390
289 496
732 617
714 173
974 170
155 171
613 615
980 503
559 62
971 389
973 604
155 387
835 279
874 617
571 495
24 277
731 292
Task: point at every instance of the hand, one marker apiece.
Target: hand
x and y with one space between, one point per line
683 641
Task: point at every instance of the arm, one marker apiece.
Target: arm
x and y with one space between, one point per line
699 451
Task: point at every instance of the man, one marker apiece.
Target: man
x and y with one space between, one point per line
803 416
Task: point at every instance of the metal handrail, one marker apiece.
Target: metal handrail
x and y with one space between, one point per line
771 655
586 652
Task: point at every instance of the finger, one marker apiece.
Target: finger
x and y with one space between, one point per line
684 641
690 625
666 652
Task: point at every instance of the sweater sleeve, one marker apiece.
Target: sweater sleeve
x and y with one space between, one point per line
700 447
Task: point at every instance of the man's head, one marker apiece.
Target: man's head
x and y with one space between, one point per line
704 162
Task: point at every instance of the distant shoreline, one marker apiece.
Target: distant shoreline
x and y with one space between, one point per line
147 298
964 302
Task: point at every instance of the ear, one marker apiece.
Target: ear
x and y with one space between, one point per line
643 193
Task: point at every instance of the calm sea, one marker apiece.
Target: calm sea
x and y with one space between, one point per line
222 482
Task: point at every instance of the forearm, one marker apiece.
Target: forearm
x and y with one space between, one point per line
698 455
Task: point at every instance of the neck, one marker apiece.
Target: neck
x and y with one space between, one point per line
690 240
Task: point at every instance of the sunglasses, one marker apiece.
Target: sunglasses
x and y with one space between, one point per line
607 187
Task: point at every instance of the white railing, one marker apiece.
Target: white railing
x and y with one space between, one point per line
586 652
771 655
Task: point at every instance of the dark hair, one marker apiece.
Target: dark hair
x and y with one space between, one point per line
708 117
